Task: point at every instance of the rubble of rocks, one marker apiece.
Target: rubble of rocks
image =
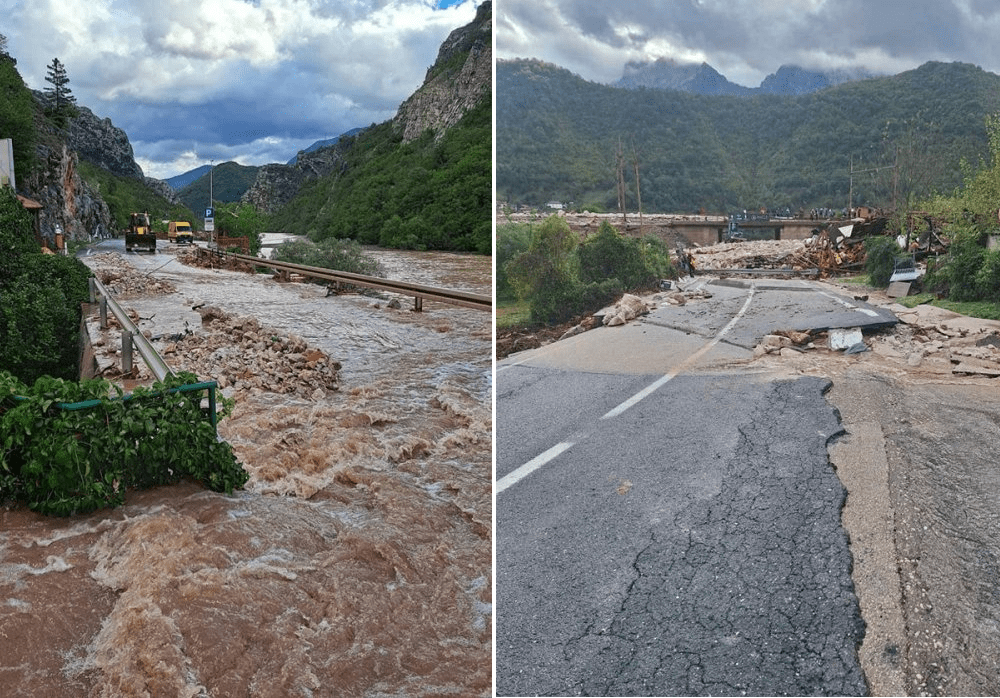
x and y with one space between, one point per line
124 281
244 356
628 308
927 340
799 255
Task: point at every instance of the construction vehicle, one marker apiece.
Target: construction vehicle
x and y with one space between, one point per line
140 234
180 232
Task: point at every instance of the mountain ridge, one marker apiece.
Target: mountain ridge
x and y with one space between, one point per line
557 135
703 79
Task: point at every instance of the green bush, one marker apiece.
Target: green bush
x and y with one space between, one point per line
512 240
62 461
40 297
988 277
333 253
961 267
880 259
636 263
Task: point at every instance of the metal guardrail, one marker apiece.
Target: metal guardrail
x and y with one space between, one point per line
418 291
131 333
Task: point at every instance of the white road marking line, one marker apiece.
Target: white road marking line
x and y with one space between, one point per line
531 466
538 461
653 387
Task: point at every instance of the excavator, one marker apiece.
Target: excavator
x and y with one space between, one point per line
140 234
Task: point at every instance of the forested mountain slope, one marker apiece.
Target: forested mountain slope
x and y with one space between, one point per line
424 179
557 137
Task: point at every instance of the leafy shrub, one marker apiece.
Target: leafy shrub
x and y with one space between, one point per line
512 239
988 277
66 461
545 275
636 263
966 255
40 297
880 259
16 235
340 255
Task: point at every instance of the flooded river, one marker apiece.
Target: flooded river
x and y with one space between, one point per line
356 562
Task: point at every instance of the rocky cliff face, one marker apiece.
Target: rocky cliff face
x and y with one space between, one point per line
100 142
70 204
276 185
461 76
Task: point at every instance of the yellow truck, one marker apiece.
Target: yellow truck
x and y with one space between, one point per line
180 232
140 234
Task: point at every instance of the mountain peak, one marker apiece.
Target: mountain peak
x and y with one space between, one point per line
703 79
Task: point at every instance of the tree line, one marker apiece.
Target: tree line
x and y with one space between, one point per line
882 139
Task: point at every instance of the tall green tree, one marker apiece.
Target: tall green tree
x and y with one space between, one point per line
61 102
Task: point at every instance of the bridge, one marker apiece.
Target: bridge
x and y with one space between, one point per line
690 230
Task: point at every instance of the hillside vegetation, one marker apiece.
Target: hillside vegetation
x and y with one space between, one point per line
228 181
124 195
557 137
426 194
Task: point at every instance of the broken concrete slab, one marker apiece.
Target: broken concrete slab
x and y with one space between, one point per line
845 338
899 289
977 367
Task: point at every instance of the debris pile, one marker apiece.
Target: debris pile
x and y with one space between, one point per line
242 355
928 340
122 279
628 308
820 253
195 257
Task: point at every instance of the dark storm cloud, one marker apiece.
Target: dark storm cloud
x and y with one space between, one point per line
748 40
250 80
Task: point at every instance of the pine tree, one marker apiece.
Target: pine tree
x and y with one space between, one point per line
60 99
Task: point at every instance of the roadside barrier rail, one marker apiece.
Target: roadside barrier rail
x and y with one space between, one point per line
418 291
130 333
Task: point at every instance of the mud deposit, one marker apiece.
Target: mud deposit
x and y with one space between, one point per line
357 562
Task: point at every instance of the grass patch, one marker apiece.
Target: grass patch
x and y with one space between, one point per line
860 280
513 313
980 309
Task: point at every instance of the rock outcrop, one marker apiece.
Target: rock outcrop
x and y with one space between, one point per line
70 205
276 185
460 78
100 142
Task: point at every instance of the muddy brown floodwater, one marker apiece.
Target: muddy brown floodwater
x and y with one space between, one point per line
357 560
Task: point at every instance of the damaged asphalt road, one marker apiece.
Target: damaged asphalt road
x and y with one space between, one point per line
668 528
668 557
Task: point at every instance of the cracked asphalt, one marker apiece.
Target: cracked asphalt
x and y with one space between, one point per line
693 547
666 525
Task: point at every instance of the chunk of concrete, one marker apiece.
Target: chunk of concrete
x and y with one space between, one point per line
845 338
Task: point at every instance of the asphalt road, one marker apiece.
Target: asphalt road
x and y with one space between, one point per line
664 528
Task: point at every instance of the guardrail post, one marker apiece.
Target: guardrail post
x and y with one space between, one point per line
126 352
93 289
418 304
104 312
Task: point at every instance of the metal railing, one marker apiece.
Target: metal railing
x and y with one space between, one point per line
130 333
418 291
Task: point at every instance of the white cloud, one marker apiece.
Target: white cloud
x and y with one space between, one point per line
156 67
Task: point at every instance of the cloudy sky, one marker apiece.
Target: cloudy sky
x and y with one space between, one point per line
747 40
255 81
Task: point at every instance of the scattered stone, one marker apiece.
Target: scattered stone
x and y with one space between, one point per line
626 309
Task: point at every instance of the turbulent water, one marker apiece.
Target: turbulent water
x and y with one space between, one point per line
356 562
